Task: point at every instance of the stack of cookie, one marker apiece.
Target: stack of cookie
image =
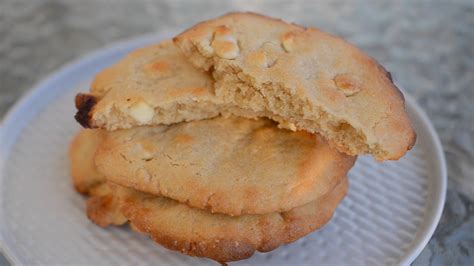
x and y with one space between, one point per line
234 137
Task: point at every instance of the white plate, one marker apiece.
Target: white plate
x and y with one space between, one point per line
388 216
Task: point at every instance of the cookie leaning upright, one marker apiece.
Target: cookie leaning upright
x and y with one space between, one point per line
151 85
303 78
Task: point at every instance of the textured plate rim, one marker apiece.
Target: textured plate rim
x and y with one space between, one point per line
433 218
10 121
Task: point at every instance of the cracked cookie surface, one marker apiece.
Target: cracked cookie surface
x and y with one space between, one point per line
304 78
225 165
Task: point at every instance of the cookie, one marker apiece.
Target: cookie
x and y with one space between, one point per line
303 78
102 207
81 150
151 85
225 165
220 237
193 231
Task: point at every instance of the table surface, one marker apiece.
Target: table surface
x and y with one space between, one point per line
428 46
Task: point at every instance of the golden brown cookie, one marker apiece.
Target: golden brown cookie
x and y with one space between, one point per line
226 165
221 237
81 150
151 85
102 207
303 78
193 231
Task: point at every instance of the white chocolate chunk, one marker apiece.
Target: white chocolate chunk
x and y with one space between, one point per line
287 125
288 41
224 43
142 112
348 84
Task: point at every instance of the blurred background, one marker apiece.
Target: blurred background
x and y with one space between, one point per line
428 46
